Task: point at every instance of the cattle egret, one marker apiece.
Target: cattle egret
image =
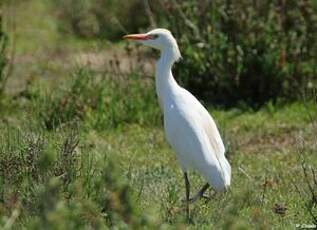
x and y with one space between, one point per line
189 128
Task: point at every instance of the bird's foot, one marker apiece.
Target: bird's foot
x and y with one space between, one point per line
198 196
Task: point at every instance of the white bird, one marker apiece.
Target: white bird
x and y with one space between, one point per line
189 128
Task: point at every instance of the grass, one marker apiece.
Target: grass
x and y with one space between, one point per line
85 149
124 173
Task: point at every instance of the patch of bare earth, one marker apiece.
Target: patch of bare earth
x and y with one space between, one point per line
52 65
286 138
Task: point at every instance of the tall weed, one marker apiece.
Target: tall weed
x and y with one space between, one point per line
3 55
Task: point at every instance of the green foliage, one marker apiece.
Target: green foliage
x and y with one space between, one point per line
49 185
103 19
105 101
78 178
250 51
85 151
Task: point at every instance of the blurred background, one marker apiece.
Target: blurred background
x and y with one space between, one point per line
81 130
234 52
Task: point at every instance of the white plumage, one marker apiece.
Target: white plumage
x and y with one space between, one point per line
189 128
194 136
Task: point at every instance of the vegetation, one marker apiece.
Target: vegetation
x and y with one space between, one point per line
104 101
102 19
245 51
102 174
3 57
82 145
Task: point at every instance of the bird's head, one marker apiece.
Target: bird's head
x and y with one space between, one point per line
161 39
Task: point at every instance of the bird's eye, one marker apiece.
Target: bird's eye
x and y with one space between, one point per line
154 36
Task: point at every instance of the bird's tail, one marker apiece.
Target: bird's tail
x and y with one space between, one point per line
226 168
219 175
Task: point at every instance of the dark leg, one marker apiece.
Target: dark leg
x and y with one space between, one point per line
187 186
200 193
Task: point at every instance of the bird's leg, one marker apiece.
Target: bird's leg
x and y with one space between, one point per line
187 186
200 193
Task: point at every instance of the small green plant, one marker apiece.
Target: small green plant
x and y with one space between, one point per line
309 192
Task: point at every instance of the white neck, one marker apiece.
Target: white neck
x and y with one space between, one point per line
164 80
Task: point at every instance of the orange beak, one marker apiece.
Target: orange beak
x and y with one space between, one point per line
137 37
